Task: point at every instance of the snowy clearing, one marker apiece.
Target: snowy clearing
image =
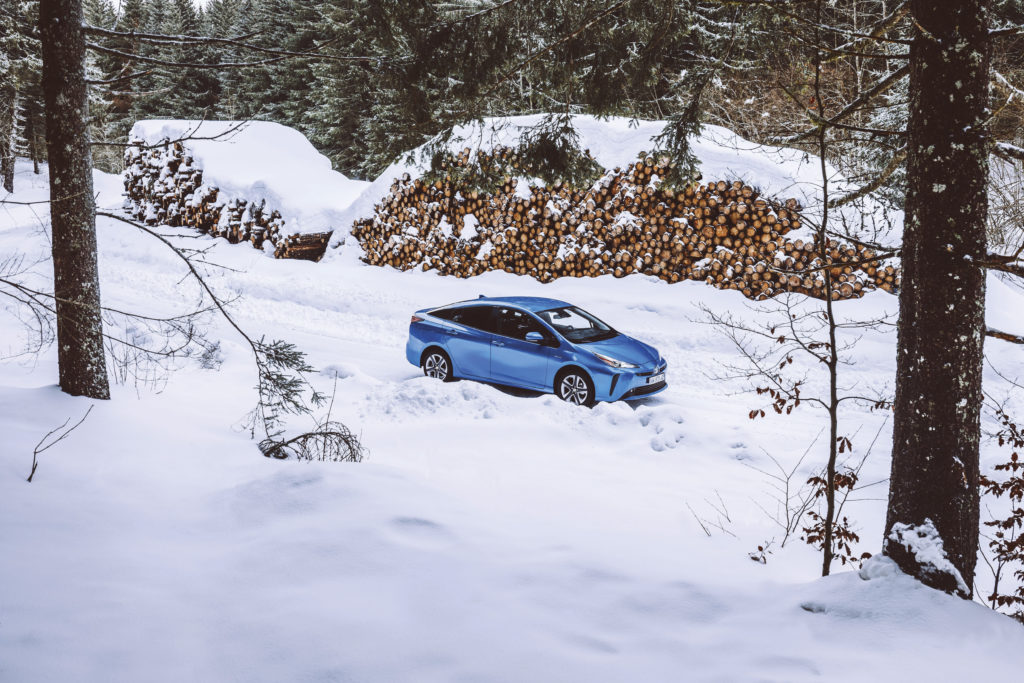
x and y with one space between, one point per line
489 535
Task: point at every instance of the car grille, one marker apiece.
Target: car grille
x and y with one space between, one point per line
646 389
660 368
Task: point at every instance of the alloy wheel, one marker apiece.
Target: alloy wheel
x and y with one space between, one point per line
574 389
436 366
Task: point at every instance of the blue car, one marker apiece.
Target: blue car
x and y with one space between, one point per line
534 343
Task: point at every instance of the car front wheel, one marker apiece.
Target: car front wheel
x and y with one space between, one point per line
575 387
438 365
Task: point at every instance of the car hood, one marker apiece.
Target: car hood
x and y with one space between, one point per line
621 347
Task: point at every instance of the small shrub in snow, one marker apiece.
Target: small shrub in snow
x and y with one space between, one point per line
1007 541
329 442
843 535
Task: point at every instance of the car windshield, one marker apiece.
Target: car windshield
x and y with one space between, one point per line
577 325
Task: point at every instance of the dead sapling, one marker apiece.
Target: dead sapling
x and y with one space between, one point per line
1006 541
52 438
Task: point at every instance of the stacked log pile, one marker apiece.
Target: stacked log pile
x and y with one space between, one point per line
164 186
722 233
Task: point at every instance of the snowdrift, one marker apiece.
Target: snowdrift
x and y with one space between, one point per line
273 182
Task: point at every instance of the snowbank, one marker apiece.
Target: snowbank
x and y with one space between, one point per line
261 160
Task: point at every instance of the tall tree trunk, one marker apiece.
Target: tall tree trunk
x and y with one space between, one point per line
8 116
76 283
33 140
942 300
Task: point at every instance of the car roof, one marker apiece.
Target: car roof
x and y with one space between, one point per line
529 303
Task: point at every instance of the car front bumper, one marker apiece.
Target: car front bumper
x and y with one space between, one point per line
631 385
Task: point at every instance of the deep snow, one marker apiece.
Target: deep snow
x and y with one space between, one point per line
256 160
489 536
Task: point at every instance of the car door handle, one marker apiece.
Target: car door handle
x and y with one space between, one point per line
497 343
454 333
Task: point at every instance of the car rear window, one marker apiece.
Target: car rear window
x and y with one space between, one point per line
479 317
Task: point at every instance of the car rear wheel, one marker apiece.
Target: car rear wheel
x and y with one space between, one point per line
438 365
575 387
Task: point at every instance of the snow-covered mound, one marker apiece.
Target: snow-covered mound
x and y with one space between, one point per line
259 160
618 141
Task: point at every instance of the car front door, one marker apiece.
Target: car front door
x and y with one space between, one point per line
469 339
514 360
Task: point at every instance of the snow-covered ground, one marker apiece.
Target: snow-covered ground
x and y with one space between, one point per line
488 536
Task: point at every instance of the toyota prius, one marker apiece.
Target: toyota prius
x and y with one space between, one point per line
534 343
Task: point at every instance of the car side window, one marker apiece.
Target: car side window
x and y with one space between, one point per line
516 324
479 317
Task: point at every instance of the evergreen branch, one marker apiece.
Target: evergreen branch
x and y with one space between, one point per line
879 88
1005 150
878 32
537 53
111 81
279 55
475 15
886 173
165 38
1007 32
239 41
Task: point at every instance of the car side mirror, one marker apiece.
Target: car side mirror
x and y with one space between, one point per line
535 337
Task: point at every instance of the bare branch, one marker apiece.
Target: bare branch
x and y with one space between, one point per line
1005 336
44 445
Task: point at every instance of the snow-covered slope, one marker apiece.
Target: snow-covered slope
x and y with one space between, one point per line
261 160
489 536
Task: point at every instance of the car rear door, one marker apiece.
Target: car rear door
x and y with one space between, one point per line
468 339
515 360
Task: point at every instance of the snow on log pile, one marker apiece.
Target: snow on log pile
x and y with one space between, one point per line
723 232
256 182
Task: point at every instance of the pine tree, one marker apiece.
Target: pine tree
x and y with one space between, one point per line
219 20
343 91
934 484
20 73
239 85
103 119
80 354
151 90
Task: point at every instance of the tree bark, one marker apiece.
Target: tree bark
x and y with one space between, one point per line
942 300
76 286
8 114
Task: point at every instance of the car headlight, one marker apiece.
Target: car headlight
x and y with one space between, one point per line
608 360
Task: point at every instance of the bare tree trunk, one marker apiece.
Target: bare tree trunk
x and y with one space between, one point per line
8 116
33 141
942 300
76 284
